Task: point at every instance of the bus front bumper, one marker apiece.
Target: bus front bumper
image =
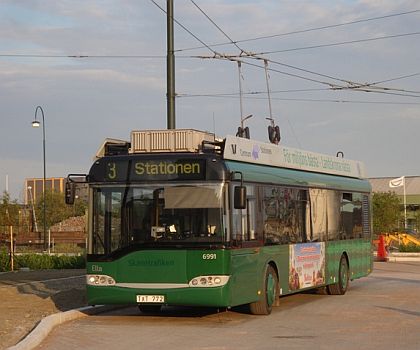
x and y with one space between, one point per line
187 296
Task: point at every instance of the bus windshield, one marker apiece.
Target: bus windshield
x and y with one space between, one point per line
152 216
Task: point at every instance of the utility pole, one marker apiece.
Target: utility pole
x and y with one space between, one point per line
170 65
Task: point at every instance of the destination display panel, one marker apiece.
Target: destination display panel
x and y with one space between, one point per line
114 169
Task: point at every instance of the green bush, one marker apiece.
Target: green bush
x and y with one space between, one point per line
42 261
409 248
4 260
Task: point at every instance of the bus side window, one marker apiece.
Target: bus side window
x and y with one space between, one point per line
244 220
318 209
347 216
271 215
357 215
333 214
284 215
351 214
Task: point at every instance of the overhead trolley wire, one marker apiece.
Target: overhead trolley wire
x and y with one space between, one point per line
252 92
214 23
366 87
245 54
17 55
338 43
186 29
209 47
307 30
301 99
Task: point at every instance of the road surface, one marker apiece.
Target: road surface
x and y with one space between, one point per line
381 311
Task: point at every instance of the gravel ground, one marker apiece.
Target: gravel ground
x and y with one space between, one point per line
28 296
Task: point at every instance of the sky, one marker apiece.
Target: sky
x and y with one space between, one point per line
319 54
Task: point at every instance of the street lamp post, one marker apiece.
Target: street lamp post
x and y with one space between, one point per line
36 124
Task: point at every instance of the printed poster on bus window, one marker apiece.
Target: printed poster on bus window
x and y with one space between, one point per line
306 265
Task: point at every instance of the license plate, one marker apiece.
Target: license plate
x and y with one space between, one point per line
150 298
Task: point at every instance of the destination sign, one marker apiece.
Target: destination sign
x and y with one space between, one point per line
166 168
126 170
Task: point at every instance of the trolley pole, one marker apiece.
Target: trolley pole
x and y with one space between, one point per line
170 65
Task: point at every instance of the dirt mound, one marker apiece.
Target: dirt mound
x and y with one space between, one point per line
29 296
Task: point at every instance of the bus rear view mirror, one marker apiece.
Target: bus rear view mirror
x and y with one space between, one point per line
70 192
239 201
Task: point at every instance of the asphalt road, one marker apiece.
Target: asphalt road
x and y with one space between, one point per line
381 311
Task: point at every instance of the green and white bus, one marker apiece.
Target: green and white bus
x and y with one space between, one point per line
177 218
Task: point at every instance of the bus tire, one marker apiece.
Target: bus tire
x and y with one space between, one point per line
269 293
342 285
150 309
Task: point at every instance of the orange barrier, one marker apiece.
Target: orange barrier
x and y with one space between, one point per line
382 252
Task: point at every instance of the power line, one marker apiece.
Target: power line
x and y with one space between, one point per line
366 87
397 78
187 30
244 53
214 23
338 43
236 58
307 30
253 92
304 99
17 55
336 86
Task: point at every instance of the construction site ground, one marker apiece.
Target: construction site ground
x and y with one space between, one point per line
26 297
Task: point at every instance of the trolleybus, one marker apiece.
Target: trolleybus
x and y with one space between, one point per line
179 218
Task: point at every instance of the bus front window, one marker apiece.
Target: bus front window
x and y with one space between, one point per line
151 216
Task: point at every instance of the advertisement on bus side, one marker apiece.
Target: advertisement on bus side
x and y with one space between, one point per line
306 265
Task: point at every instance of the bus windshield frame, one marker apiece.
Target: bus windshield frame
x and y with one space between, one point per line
152 216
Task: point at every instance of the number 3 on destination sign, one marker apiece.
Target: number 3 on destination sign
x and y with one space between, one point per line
112 171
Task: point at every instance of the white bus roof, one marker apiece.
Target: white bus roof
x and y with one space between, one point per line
251 151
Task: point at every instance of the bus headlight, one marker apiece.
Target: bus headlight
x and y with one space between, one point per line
209 281
99 280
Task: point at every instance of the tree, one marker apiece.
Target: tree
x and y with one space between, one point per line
56 209
9 211
386 211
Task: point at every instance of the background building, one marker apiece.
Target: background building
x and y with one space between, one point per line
412 194
34 188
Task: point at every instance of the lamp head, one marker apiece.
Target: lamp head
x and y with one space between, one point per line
36 124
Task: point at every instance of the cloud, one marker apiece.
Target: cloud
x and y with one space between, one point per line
86 100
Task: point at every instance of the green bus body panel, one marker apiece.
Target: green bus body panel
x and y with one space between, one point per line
359 255
163 267
246 267
289 177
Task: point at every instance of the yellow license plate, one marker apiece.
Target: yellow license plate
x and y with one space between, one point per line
150 298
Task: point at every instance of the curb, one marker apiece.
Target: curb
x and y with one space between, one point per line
47 324
399 257
395 257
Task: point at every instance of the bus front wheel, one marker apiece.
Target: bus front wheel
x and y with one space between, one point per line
269 293
341 286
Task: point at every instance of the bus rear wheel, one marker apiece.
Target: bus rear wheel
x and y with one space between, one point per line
150 309
342 285
269 293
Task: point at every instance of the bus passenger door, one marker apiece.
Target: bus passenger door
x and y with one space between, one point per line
246 243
